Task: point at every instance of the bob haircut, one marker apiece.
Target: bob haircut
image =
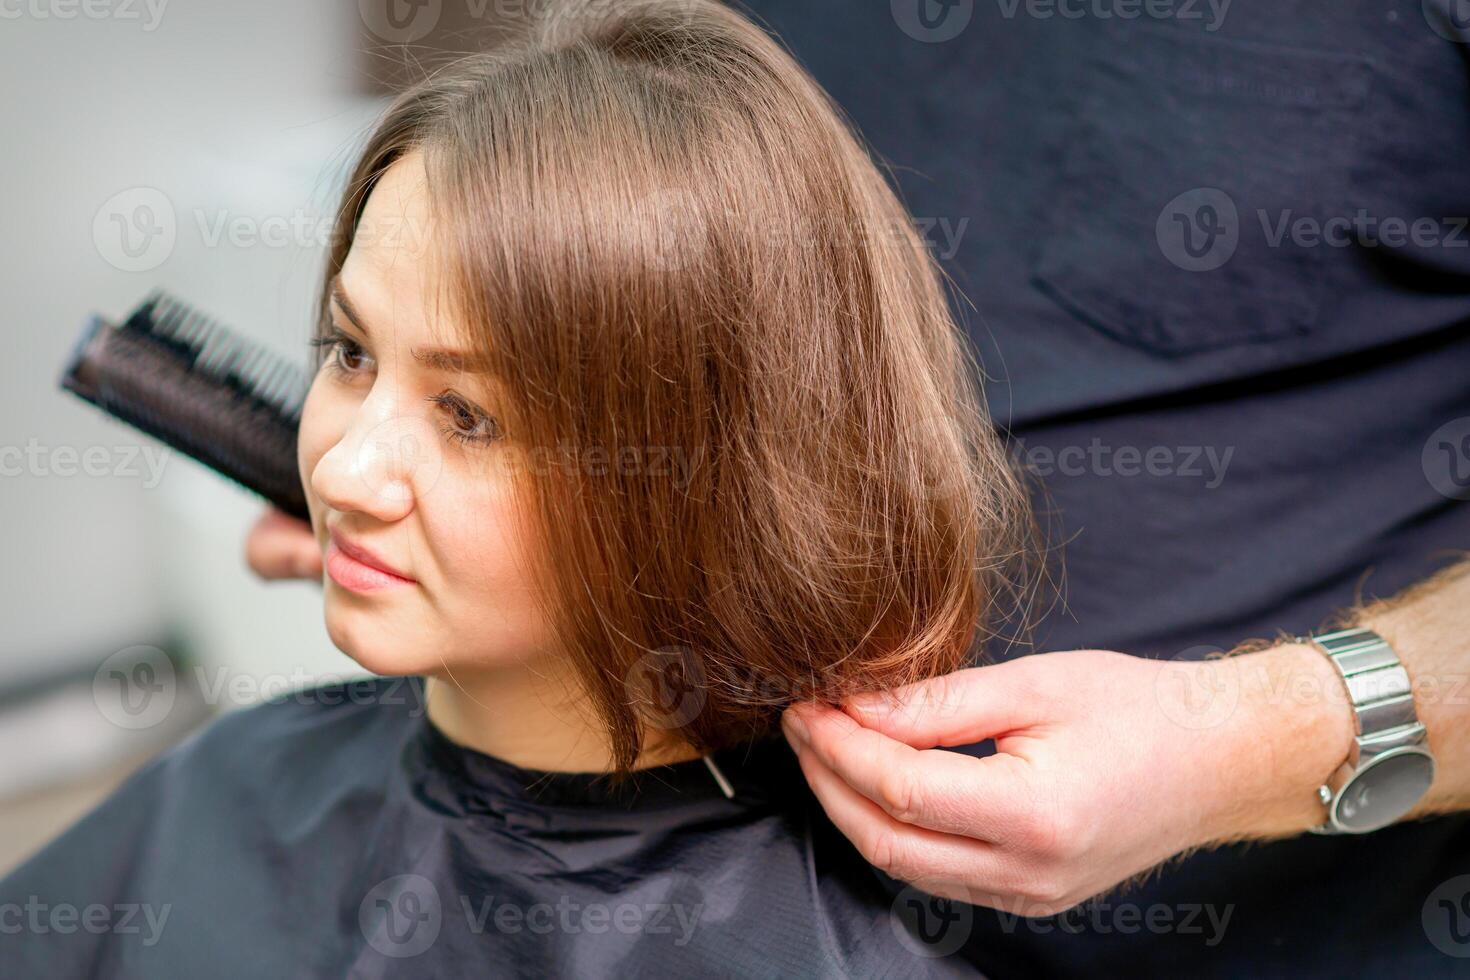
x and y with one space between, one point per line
670 246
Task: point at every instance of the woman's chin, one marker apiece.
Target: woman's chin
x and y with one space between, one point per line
378 644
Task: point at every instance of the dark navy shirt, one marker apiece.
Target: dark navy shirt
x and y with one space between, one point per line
1220 276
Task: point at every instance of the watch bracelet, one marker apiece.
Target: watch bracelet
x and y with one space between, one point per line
1381 694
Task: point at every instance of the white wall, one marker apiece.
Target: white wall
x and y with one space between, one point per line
229 109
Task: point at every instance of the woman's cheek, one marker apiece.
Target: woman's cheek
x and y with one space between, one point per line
312 439
476 519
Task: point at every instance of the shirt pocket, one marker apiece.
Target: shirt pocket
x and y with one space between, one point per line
1187 162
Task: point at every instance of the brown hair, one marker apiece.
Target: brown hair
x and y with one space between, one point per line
665 238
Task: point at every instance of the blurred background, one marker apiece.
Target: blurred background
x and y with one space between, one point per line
198 146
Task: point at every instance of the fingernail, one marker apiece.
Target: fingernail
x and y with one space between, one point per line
795 729
866 703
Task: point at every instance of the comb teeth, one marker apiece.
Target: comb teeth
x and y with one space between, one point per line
212 350
176 375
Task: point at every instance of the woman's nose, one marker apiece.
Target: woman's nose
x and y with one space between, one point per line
383 464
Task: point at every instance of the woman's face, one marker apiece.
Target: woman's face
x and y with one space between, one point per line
405 467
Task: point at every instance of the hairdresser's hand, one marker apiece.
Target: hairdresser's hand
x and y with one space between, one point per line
282 547
1106 765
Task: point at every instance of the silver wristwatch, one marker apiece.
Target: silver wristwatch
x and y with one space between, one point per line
1389 768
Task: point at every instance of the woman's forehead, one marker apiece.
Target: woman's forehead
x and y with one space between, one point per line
390 273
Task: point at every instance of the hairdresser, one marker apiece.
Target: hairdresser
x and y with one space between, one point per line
1220 276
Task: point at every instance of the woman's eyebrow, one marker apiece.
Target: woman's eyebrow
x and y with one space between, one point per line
438 358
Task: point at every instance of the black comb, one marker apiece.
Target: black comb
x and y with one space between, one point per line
177 375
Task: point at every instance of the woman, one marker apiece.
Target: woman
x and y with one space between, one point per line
639 414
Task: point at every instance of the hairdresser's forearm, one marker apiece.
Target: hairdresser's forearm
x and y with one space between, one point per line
1295 724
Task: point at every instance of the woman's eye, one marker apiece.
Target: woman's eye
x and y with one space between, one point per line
465 422
344 355
349 356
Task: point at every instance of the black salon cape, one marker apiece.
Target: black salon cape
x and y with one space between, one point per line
337 833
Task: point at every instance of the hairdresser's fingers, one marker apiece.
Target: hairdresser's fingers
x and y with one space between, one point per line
987 799
937 863
962 708
282 547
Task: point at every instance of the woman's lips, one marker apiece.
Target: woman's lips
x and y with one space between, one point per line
357 570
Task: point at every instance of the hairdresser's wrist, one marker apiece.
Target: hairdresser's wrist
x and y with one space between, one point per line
1292 726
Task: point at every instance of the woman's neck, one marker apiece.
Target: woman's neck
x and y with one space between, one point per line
528 716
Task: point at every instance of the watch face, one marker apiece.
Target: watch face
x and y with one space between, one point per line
1385 790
